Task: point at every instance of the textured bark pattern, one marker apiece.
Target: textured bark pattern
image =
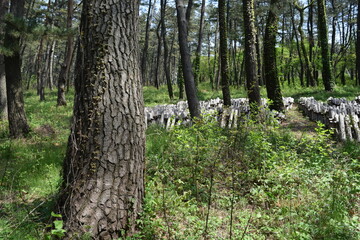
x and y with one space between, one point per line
16 113
223 53
104 167
323 39
4 7
250 53
190 87
358 46
270 65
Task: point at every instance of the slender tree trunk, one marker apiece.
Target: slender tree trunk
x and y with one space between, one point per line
16 113
166 49
324 45
199 44
103 178
298 48
308 66
144 56
51 64
250 55
65 67
39 61
223 53
158 55
190 88
271 72
4 8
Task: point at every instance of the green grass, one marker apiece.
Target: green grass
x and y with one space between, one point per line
30 168
274 168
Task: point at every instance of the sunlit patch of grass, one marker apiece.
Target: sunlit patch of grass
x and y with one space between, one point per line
348 92
30 168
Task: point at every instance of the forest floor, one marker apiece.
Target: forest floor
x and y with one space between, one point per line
299 124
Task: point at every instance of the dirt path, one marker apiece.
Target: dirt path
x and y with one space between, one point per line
299 124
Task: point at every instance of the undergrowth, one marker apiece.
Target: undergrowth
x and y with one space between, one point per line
202 182
254 182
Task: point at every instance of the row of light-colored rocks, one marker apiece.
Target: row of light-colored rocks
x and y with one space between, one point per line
172 114
336 113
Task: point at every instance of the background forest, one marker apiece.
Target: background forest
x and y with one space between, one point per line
264 179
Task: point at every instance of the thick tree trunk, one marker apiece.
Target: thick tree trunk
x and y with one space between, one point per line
103 179
190 87
223 53
271 73
16 113
250 55
65 67
324 45
358 47
4 8
166 49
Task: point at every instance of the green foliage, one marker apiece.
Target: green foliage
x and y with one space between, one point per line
30 168
278 186
257 181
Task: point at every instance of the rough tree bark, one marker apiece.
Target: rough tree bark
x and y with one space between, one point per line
190 88
324 45
16 113
103 178
223 53
250 54
358 46
65 67
270 66
4 8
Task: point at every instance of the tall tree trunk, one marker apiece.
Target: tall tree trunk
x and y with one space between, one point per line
51 64
199 44
250 55
358 46
311 38
103 178
158 56
16 113
144 56
308 66
270 65
324 45
65 67
301 75
166 49
4 8
223 53
190 88
39 71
